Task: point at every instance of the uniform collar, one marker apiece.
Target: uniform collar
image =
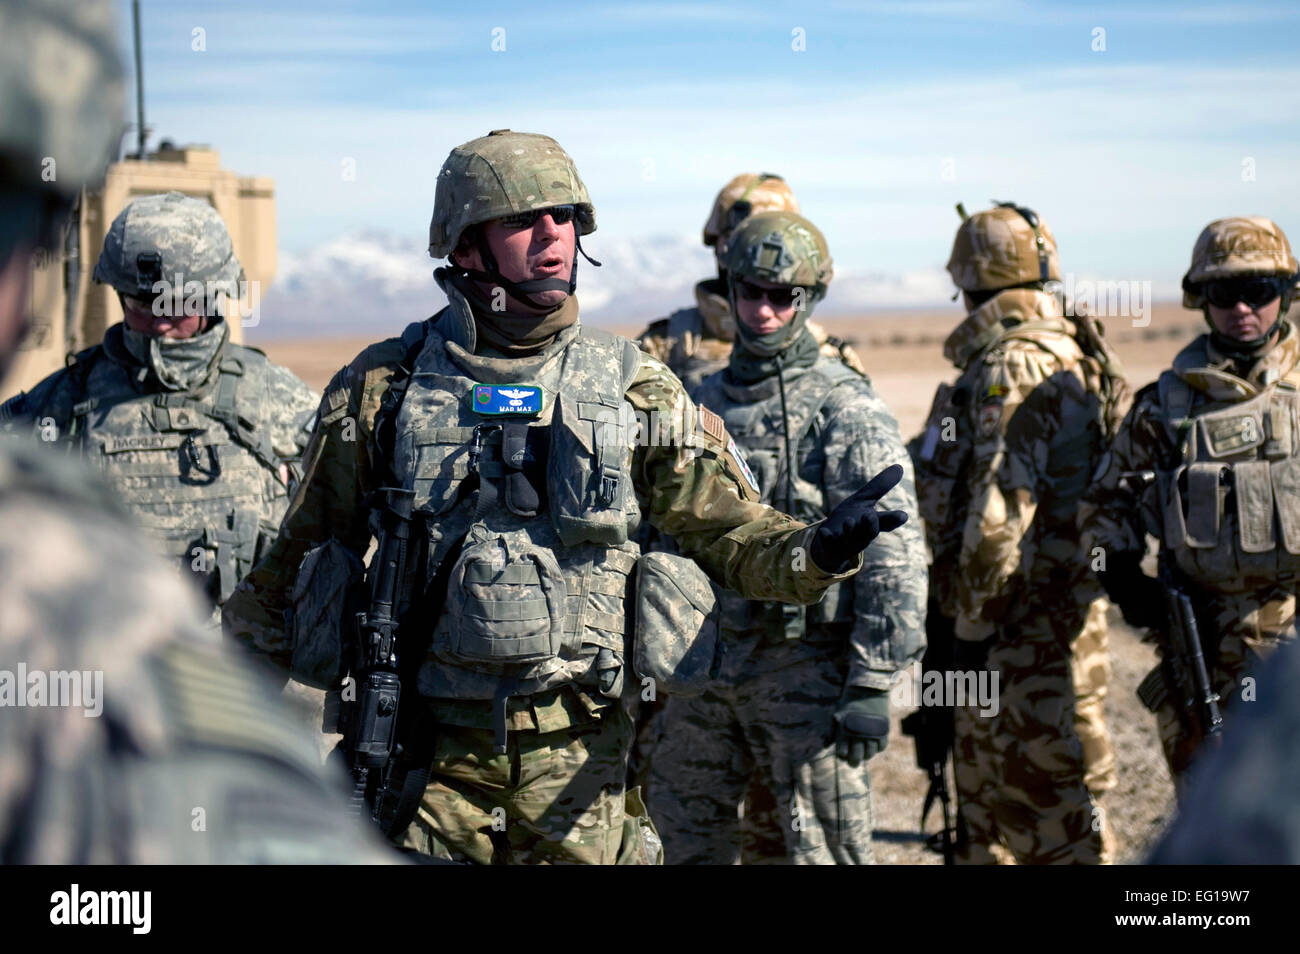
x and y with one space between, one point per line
993 319
1210 371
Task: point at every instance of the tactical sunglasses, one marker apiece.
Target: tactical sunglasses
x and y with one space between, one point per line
1257 291
782 297
561 214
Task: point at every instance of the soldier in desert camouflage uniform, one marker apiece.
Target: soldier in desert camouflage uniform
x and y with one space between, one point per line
1216 435
162 746
1006 453
803 697
695 342
200 438
516 429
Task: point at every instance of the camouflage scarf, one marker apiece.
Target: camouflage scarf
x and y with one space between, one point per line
991 320
179 364
515 335
748 367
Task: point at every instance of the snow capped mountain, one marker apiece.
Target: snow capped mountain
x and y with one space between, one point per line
376 282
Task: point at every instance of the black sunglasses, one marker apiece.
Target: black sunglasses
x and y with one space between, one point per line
1257 291
561 214
782 297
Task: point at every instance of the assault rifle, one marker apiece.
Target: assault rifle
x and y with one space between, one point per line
1185 660
1182 672
370 723
931 729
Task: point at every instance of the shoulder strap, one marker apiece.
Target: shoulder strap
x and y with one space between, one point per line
413 338
1176 399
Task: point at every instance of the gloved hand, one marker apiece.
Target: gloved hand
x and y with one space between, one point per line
852 525
1139 597
861 723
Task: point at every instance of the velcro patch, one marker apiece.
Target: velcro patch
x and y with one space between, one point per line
990 415
499 399
739 458
997 392
711 423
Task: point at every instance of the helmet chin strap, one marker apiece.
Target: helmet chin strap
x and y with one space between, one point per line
524 291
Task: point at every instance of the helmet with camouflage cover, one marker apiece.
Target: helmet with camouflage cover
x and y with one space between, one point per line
501 174
61 101
747 194
1002 247
174 239
782 248
1237 246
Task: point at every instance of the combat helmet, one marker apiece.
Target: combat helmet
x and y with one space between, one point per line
500 174
1235 248
1002 247
61 101
174 239
782 248
747 194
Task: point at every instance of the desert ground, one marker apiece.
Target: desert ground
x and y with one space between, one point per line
903 353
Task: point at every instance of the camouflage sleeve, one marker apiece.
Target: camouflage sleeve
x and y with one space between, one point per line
1015 417
330 501
654 340
889 596
696 486
190 758
293 413
1110 513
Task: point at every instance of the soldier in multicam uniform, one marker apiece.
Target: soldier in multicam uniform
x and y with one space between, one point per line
1216 435
199 438
803 698
514 428
170 752
1005 456
695 342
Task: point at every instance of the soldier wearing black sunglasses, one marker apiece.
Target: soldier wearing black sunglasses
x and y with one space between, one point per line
1217 438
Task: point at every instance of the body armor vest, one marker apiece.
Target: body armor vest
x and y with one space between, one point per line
528 509
196 469
1230 505
753 418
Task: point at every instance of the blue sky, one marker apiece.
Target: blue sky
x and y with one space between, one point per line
892 113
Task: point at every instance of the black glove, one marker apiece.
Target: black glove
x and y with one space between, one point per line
1139 597
852 525
861 723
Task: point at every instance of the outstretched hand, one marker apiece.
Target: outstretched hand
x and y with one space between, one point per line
852 525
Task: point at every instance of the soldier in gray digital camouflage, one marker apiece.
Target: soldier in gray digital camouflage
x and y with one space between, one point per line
199 438
1007 453
529 448
128 732
695 342
1204 463
802 698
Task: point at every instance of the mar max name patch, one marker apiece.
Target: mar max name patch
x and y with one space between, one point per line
508 399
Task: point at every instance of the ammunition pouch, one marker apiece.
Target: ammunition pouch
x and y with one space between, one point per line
324 604
677 643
